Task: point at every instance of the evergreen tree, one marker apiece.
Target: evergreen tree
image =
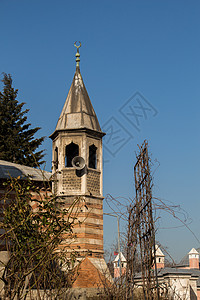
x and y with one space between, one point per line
17 142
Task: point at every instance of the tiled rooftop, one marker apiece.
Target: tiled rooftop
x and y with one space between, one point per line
8 169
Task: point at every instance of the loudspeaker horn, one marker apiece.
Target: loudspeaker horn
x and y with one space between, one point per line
78 162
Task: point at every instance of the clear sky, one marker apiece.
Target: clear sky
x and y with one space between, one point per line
141 67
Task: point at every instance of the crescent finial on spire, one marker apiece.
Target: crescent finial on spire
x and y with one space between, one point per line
77 46
77 53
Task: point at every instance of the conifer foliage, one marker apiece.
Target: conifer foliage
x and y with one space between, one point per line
17 142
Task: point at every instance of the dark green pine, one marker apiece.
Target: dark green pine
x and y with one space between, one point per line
17 142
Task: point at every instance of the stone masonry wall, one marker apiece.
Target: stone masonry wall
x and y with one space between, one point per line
71 182
93 182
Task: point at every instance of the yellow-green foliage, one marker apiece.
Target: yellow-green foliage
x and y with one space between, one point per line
33 237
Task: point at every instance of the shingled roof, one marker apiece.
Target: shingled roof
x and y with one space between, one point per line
8 169
78 111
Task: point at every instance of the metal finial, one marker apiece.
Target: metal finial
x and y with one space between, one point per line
77 53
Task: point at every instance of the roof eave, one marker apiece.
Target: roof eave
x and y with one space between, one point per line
72 130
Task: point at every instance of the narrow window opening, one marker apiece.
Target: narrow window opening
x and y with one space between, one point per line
56 158
72 150
93 157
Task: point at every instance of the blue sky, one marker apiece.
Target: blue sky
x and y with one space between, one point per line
143 52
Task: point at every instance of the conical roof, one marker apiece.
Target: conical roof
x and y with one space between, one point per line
122 257
78 111
158 251
193 251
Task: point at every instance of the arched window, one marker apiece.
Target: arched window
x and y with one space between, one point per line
72 150
92 157
56 158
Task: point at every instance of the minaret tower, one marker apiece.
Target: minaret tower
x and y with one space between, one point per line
78 134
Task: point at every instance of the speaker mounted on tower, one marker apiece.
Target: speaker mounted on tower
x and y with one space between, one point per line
78 163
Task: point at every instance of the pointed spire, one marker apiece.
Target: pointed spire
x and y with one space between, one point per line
77 54
78 111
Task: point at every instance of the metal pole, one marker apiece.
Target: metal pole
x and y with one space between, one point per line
120 262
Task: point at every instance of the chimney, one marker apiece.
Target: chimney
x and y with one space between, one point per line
116 264
193 259
160 258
